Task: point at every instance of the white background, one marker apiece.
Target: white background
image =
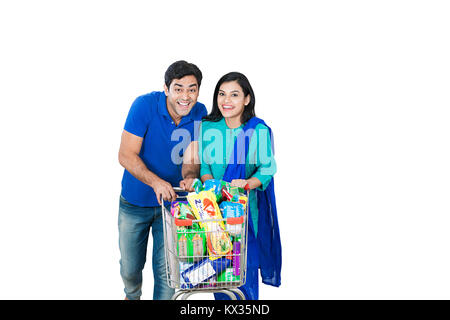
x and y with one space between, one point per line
356 92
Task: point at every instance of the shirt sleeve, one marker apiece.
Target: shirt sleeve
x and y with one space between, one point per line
138 117
265 160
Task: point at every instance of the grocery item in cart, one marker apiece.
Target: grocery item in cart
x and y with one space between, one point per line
203 271
230 193
215 185
191 243
181 210
236 258
197 185
205 208
228 276
231 209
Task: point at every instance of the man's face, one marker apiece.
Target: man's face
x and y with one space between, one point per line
181 96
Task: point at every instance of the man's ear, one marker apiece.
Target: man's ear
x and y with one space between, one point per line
166 90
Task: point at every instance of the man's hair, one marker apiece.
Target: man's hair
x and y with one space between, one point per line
179 69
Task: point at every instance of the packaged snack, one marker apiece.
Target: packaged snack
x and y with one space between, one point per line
186 211
203 271
197 185
215 186
231 209
228 276
243 200
205 208
191 243
230 193
226 195
175 209
181 210
219 243
236 191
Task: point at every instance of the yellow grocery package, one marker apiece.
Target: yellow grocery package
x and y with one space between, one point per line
205 208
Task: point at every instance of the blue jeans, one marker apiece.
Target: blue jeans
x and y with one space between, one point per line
134 227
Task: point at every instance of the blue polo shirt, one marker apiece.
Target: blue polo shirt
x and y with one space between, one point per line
163 145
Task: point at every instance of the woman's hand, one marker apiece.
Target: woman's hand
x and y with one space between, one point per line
241 183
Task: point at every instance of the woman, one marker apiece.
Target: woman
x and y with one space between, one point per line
235 146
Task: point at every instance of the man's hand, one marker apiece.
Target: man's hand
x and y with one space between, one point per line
186 184
163 189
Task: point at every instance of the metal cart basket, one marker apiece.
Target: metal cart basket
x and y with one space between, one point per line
194 264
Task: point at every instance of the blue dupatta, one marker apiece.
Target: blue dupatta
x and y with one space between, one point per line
268 249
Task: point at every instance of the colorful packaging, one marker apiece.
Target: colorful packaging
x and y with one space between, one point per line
236 258
231 209
205 208
236 191
226 195
181 210
243 200
197 185
215 186
228 276
191 243
184 266
203 271
186 211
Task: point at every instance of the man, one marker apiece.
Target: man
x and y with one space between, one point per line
151 171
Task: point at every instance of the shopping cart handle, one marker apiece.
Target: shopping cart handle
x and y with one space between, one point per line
178 189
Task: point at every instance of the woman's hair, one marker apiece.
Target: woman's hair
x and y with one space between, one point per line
180 69
249 110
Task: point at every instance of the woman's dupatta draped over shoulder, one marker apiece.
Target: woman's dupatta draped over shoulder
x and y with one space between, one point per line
268 237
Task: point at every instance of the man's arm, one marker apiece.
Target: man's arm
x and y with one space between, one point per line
191 166
130 146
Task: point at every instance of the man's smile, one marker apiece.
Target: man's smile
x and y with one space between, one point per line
183 104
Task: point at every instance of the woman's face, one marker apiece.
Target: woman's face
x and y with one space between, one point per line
231 100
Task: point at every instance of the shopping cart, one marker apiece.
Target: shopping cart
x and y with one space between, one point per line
192 265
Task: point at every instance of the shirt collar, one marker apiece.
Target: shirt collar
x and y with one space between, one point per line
162 105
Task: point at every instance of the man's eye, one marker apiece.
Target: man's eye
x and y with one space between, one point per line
178 90
193 90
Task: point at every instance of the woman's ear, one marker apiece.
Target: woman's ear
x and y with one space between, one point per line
247 100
